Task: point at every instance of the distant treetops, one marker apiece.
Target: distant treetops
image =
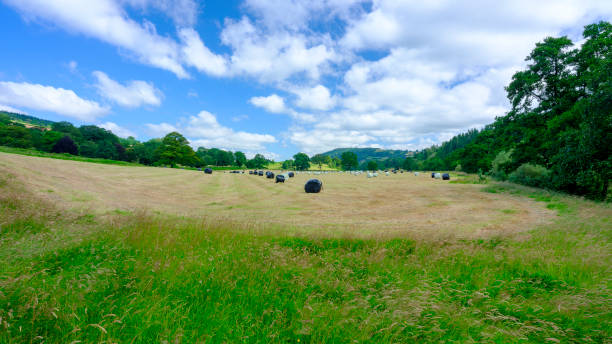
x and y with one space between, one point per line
91 141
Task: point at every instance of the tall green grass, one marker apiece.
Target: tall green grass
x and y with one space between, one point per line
138 278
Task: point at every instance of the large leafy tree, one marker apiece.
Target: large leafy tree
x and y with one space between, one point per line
240 158
15 136
349 161
65 145
174 150
372 165
301 161
258 161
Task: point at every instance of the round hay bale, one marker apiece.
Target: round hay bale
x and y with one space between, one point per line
260 173
291 175
269 175
416 174
208 170
446 176
433 174
313 186
370 175
438 176
280 178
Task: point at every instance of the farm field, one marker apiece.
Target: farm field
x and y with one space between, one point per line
105 253
388 205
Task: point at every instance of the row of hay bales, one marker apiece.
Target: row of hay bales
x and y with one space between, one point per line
443 176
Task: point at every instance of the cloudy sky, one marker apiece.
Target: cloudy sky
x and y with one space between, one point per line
276 76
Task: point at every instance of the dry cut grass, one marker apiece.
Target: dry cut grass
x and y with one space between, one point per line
399 204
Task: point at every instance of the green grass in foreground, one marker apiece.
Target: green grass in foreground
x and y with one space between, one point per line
64 156
67 277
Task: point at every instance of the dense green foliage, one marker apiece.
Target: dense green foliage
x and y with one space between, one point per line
372 165
561 120
349 161
301 161
22 131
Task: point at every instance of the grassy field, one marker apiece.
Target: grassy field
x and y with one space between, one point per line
63 156
103 253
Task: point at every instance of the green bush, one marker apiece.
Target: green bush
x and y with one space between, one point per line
501 164
531 175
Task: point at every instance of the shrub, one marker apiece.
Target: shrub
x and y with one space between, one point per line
531 175
500 165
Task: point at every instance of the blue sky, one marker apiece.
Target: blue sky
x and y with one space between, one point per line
275 76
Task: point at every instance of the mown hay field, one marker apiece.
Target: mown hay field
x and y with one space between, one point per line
113 254
384 206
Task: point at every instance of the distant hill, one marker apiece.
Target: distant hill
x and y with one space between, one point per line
28 120
366 154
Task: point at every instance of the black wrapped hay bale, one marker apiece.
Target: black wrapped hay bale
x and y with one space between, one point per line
291 174
269 175
208 170
313 186
446 176
433 174
260 173
280 178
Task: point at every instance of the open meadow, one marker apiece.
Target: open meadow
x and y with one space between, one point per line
105 253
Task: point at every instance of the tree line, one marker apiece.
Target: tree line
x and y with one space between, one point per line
95 142
558 132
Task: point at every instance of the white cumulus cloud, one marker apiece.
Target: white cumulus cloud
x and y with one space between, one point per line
133 94
48 98
315 98
107 21
205 130
272 103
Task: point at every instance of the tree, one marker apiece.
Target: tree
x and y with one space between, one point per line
372 165
65 145
258 161
288 164
349 161
67 128
335 162
320 159
410 164
15 136
48 140
240 158
302 161
5 119
175 149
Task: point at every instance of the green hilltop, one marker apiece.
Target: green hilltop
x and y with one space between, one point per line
367 154
27 120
